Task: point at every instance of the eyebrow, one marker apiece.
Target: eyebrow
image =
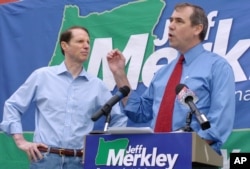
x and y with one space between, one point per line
176 18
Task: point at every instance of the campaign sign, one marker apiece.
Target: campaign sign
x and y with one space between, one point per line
139 151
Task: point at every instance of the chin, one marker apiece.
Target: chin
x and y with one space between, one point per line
172 45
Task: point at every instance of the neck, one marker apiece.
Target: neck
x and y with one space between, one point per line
74 68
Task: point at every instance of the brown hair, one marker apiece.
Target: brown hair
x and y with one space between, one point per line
198 17
67 35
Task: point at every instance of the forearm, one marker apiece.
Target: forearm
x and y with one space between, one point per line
19 139
139 109
116 62
121 81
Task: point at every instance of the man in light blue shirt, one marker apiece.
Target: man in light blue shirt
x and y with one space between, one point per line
65 98
207 74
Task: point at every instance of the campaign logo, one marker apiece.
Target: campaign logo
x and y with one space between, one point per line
138 151
120 153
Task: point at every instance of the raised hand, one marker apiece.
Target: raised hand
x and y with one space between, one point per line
116 62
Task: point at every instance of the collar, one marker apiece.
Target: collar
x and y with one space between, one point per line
193 53
62 69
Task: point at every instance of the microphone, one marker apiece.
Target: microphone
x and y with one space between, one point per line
105 110
187 97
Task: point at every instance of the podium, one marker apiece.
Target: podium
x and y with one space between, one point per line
149 151
203 155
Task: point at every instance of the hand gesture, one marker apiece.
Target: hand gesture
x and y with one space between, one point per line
116 61
30 148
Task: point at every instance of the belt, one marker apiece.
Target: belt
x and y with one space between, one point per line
62 152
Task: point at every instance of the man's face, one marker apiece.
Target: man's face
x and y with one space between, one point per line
182 35
77 49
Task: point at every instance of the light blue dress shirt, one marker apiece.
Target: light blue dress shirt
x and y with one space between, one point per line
210 77
63 106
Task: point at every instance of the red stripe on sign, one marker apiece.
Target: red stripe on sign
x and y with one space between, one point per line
7 1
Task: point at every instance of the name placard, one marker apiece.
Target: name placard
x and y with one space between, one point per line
139 151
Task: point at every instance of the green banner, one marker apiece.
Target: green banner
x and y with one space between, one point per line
10 156
238 141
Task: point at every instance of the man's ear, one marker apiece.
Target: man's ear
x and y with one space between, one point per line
198 29
64 45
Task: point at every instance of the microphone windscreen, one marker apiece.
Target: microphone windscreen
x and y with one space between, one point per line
124 90
179 87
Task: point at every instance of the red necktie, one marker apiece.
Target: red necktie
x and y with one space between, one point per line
164 118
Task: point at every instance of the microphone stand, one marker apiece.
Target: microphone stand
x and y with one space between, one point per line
106 125
187 128
107 121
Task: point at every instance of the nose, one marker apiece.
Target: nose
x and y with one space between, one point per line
171 25
86 45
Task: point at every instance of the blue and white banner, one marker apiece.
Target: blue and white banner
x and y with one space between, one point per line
29 32
137 151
